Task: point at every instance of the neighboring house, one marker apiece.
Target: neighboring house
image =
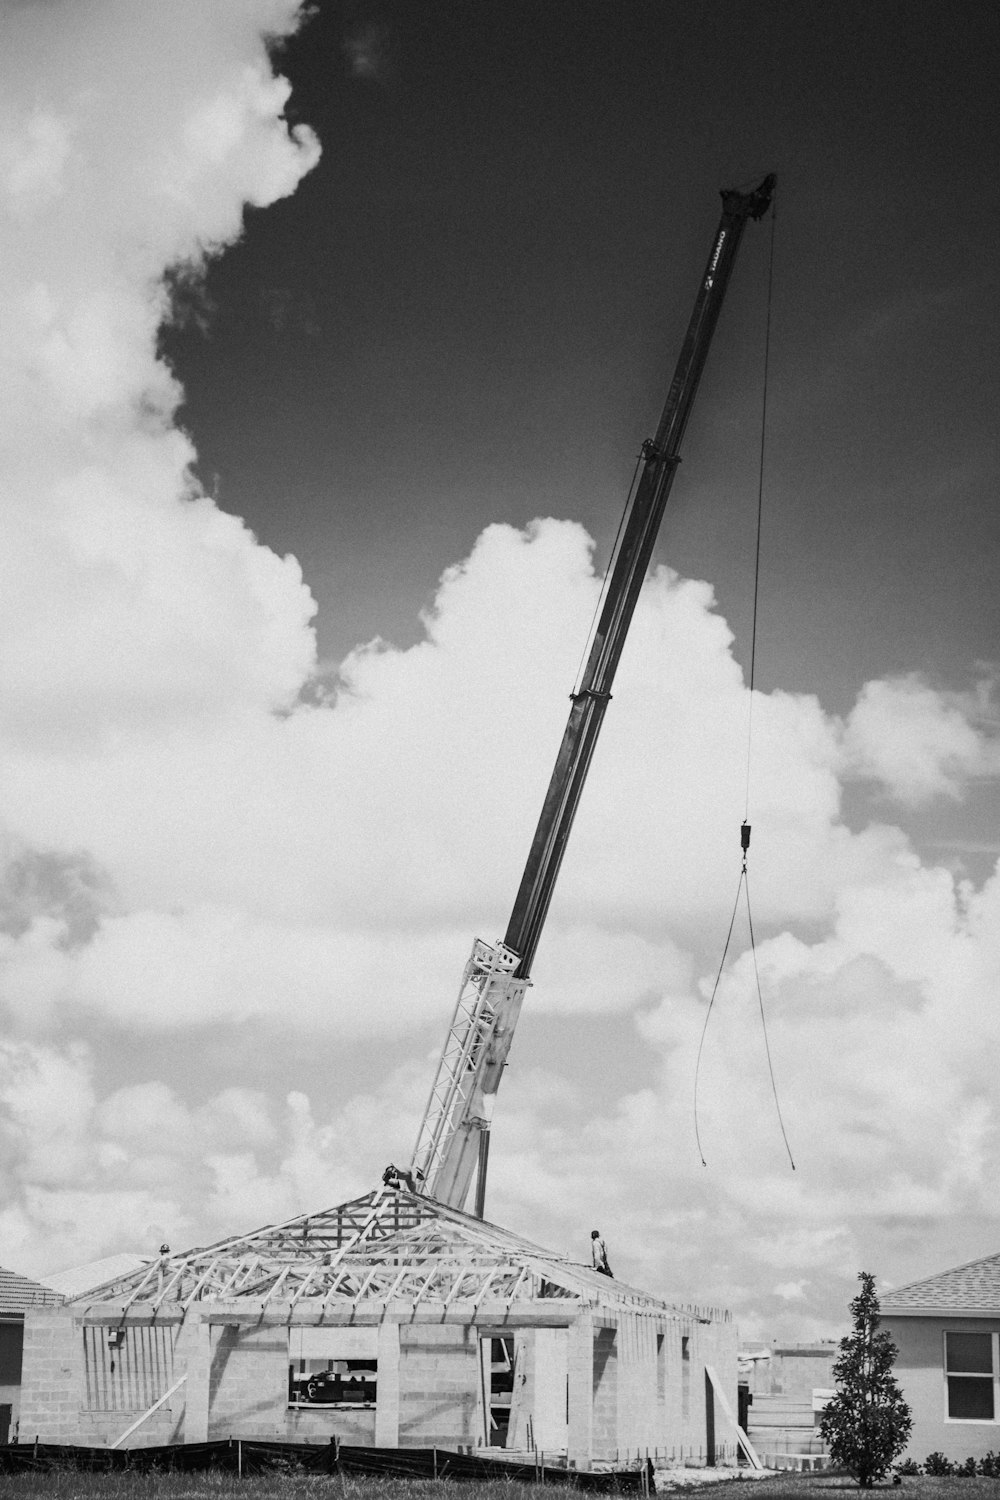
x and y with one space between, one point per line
17 1295
947 1330
390 1320
78 1280
783 1369
787 1386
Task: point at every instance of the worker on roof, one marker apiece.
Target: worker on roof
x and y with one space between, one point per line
599 1254
397 1177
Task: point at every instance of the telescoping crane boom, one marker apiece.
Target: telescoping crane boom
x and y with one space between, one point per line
454 1133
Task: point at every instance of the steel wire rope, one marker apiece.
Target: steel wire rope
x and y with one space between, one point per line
744 884
763 1023
704 1029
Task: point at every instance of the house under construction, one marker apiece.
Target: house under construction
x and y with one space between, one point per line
390 1321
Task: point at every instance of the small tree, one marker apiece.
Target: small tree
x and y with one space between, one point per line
867 1423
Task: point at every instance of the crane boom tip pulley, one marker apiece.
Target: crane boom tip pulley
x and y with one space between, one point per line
755 204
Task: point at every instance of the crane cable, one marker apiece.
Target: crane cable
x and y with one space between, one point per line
743 884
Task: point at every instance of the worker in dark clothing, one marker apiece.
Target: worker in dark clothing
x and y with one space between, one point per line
599 1254
397 1177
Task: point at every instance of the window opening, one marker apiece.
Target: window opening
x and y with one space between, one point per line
11 1343
971 1374
685 1377
127 1369
498 1357
332 1367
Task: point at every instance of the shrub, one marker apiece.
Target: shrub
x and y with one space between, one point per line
909 1466
989 1465
936 1463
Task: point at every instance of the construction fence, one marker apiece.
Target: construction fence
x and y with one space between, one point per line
243 1456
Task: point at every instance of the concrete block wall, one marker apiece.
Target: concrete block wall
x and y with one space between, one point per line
580 1388
539 1401
630 1387
604 1433
248 1383
98 1428
522 1396
238 1386
550 1375
798 1372
53 1391
715 1344
439 1395
641 1412
673 1379
51 1377
248 1394
649 1389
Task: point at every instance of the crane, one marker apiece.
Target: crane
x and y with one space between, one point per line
453 1140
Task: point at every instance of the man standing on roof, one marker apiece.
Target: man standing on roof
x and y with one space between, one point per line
599 1254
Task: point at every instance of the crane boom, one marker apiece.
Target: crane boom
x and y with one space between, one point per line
454 1133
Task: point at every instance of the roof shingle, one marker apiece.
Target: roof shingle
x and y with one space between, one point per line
974 1287
18 1293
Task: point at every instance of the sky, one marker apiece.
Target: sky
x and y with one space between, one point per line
330 344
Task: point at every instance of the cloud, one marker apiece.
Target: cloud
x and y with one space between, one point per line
194 835
65 888
920 742
292 858
124 590
32 163
80 1172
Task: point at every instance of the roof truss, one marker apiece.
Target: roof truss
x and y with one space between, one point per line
389 1246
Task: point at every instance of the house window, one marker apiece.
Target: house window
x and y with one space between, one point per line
332 1367
970 1362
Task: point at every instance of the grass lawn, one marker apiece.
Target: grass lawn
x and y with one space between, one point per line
68 1485
842 1487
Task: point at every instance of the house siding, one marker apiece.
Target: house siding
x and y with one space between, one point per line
919 1370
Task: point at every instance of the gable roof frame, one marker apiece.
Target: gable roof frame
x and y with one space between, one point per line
388 1247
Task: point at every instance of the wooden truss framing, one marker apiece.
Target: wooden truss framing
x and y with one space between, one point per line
389 1246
